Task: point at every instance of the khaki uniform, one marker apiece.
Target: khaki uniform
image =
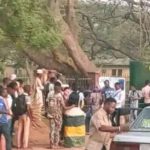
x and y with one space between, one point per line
23 131
96 101
98 139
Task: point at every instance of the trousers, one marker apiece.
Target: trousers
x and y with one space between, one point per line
4 129
23 131
55 129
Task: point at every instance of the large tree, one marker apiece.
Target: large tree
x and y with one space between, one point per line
38 29
47 31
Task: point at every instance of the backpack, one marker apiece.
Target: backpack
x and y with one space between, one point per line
19 106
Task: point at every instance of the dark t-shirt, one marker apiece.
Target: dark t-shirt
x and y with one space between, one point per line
108 92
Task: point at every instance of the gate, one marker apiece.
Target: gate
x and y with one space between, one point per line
82 83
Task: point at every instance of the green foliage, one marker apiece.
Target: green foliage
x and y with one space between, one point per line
28 23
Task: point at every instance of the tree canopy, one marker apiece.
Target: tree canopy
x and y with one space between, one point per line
56 34
29 23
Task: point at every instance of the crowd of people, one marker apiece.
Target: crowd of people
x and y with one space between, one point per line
71 113
15 103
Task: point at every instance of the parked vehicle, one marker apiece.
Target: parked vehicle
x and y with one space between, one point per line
138 138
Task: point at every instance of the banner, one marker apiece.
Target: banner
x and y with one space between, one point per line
112 81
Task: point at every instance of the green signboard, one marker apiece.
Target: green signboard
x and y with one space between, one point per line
139 72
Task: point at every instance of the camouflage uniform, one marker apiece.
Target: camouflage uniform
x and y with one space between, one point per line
55 110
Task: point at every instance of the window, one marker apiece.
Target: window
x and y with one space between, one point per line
114 72
120 72
143 121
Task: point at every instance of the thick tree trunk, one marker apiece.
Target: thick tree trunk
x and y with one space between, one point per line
51 62
76 53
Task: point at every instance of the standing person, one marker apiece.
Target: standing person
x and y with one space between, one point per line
24 118
21 86
146 93
12 89
101 129
74 124
107 91
49 86
8 100
4 111
75 89
56 105
81 98
87 109
38 92
59 77
134 97
120 102
96 98
66 92
8 103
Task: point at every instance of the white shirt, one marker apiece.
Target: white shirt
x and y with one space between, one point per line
51 87
38 84
81 99
27 98
119 96
9 100
50 94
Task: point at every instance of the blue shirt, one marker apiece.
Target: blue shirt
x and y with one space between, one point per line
3 117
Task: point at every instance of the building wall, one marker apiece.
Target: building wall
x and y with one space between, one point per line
116 71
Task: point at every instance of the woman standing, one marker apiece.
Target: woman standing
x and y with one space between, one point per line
38 92
74 124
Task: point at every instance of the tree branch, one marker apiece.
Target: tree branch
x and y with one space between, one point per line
107 45
147 4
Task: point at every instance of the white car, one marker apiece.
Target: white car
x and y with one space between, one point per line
138 138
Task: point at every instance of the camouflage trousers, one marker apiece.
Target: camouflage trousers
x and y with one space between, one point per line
55 125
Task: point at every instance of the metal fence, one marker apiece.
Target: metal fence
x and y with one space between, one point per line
82 83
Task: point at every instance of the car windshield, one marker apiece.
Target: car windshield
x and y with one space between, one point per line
142 123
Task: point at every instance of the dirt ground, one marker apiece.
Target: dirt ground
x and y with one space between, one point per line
39 138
